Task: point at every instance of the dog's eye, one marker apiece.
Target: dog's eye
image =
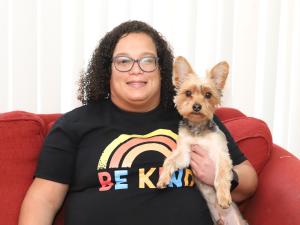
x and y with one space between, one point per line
208 95
188 93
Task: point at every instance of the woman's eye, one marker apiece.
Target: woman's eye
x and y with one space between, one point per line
208 95
148 60
123 60
188 93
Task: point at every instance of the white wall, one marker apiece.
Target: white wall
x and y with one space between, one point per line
44 44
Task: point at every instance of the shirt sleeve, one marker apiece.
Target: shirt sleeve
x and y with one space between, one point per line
236 154
57 156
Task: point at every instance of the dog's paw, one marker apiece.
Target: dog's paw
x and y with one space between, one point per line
224 201
220 222
225 204
161 185
163 181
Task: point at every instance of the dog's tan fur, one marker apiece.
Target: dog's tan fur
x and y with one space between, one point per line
206 92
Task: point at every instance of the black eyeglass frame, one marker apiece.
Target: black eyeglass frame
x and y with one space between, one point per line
136 61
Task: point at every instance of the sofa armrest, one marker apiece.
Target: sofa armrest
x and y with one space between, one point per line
277 199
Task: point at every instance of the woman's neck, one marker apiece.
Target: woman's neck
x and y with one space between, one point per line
135 106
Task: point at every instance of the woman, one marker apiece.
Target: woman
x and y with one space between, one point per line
106 154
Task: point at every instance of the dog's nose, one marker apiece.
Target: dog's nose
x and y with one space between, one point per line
197 107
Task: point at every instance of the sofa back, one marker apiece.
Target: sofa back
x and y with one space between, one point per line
22 135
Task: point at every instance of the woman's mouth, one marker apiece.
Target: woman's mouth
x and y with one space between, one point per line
137 84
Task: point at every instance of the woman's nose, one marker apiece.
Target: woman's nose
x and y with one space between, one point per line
135 68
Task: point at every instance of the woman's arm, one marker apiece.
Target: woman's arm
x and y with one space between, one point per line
247 181
42 201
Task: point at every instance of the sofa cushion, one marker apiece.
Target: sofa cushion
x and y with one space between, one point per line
22 135
253 137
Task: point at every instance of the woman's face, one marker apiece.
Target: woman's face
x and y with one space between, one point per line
135 90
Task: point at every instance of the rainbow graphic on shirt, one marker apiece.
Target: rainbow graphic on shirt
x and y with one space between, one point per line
121 153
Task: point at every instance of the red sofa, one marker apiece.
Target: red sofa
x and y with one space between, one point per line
276 201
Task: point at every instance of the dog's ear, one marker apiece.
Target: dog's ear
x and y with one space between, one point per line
181 70
219 74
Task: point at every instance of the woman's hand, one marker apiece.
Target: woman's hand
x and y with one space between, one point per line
202 166
204 169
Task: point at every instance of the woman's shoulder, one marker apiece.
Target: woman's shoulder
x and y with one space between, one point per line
87 111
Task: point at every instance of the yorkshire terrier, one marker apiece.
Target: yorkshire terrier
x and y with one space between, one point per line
196 100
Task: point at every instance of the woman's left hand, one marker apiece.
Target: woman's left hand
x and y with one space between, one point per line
202 166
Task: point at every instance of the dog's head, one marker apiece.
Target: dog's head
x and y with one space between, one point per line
197 97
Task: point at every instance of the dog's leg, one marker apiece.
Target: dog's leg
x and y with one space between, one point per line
232 216
179 159
209 194
229 216
223 178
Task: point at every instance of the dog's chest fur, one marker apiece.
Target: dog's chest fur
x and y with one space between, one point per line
207 135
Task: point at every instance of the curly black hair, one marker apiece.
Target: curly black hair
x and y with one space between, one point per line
94 83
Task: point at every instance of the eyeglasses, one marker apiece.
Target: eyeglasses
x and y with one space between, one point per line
125 63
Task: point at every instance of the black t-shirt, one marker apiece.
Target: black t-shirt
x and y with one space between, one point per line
111 160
